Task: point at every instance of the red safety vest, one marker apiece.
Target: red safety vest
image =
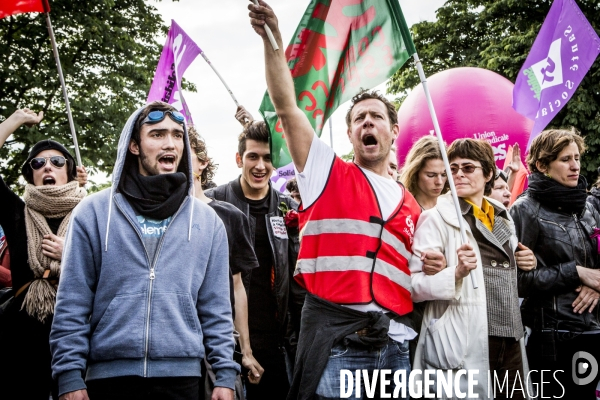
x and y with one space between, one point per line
348 253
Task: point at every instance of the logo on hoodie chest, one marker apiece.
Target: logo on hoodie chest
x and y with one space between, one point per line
152 228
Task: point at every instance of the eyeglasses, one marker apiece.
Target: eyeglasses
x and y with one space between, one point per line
157 116
467 169
40 162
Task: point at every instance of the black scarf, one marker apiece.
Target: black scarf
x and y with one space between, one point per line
158 196
553 194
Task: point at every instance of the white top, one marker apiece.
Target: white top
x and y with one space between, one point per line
311 183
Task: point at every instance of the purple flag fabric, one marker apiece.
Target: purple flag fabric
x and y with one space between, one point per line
178 53
561 55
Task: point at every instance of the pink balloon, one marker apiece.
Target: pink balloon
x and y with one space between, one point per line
469 103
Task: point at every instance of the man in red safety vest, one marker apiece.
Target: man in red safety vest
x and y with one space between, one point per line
356 226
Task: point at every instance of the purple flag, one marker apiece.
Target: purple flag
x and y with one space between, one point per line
561 55
178 53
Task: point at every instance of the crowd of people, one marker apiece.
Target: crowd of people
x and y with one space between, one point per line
168 286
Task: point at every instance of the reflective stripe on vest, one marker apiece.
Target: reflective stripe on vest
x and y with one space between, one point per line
352 226
354 263
348 253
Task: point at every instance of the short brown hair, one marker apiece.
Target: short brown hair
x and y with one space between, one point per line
198 147
154 106
364 94
257 130
476 149
546 147
423 150
292 185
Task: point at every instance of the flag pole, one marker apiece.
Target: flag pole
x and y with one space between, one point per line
436 126
269 32
62 81
220 77
330 132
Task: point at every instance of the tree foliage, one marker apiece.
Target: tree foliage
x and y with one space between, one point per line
108 51
497 35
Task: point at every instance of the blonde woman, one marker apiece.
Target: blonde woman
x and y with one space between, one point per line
423 173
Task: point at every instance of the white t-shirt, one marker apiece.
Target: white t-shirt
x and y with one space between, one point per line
311 183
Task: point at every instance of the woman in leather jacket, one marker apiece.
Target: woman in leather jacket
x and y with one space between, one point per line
561 294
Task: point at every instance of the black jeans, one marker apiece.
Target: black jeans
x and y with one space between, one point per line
138 388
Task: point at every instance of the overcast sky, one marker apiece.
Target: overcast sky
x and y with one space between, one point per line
222 30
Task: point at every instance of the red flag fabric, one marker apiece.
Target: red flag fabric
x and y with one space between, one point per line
12 7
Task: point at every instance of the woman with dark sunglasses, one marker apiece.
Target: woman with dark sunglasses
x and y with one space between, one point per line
35 227
561 295
467 328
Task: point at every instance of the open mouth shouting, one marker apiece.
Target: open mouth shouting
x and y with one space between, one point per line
167 162
369 140
48 180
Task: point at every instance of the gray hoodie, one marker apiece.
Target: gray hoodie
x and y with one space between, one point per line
121 312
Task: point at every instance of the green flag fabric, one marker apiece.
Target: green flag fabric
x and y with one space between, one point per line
339 47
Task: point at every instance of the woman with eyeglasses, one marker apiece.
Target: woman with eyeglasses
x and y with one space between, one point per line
35 227
467 328
423 173
561 294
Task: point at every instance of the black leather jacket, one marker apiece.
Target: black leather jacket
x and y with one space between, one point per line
560 241
289 295
594 198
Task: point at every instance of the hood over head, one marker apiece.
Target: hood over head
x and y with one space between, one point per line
125 159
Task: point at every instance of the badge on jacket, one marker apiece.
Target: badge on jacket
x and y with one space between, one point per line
278 225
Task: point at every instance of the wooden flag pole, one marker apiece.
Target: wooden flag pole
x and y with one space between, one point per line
436 126
62 82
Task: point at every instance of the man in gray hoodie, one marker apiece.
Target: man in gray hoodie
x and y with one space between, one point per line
144 290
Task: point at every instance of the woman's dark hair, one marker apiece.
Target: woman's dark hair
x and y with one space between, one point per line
546 147
476 149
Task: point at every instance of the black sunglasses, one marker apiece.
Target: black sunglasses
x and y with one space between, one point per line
40 162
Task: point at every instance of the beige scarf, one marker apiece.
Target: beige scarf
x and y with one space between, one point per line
43 202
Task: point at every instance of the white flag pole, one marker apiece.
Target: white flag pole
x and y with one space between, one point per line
64 87
269 32
330 132
436 126
220 77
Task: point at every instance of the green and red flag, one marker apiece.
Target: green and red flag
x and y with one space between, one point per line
340 47
12 7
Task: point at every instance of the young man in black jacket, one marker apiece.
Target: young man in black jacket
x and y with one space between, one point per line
274 300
